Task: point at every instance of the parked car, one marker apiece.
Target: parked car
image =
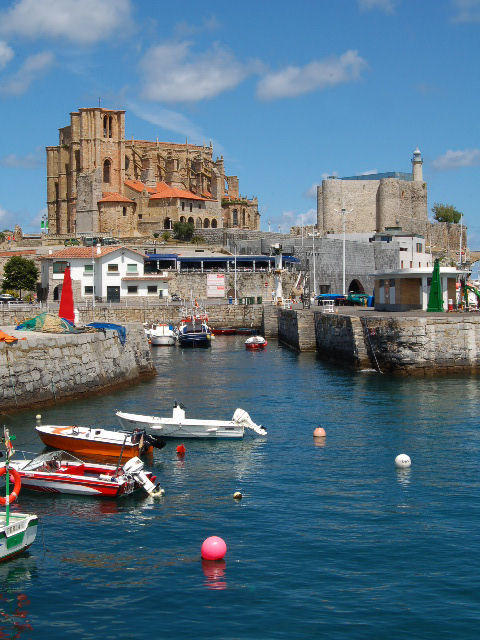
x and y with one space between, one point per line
71 242
110 241
7 298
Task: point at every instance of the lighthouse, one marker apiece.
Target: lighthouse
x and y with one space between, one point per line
417 162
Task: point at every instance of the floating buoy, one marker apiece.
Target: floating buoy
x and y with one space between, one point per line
213 548
237 495
402 461
181 450
319 432
38 418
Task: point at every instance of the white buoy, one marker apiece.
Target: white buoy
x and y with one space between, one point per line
38 418
402 461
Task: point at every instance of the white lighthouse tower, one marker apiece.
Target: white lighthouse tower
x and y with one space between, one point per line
417 163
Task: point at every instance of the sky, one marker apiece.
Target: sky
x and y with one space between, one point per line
289 93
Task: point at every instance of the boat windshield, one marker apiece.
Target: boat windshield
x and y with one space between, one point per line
51 456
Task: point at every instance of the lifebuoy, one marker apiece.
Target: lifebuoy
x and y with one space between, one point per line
16 489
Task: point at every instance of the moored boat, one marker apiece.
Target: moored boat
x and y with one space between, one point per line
224 331
195 333
17 530
162 335
255 343
61 472
178 426
92 441
245 331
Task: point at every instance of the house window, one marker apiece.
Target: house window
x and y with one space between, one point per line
132 288
419 247
191 207
183 206
60 266
113 268
88 291
132 268
88 269
324 288
124 211
152 288
140 216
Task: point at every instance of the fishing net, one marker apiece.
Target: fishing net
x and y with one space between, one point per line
48 323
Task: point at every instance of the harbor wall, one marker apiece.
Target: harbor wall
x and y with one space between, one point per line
402 345
225 315
296 329
46 368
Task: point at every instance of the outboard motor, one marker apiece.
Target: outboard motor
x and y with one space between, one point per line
134 467
242 418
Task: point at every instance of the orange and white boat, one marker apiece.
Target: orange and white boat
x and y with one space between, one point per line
97 442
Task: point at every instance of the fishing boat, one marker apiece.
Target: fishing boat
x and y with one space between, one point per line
245 331
17 530
224 331
92 441
194 333
162 335
61 472
255 343
178 426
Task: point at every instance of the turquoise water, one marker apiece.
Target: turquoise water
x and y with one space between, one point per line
329 540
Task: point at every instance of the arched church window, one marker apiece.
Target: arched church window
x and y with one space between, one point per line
110 126
106 171
105 126
235 218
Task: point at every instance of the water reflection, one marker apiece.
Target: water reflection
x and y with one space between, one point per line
15 575
214 571
403 476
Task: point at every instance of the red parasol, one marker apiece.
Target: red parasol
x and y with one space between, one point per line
66 301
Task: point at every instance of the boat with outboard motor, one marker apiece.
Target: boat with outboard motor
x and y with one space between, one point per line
162 334
178 426
61 472
94 441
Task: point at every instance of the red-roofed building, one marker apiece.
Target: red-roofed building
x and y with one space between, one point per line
99 182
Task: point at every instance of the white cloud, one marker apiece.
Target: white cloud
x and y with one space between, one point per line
28 161
172 74
467 10
6 54
319 74
369 172
169 120
81 21
30 70
457 159
384 5
311 192
293 219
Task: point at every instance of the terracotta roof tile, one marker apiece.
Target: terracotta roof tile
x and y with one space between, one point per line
164 191
114 197
136 185
20 252
86 252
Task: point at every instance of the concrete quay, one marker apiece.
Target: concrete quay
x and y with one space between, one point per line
44 368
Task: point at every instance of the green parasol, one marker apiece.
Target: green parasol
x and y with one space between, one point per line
435 299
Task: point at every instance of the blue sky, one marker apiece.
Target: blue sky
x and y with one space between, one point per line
288 93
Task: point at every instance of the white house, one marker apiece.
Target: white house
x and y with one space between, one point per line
111 273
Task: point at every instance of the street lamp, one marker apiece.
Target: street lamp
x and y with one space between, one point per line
344 212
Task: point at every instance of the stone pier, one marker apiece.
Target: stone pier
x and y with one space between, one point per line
46 368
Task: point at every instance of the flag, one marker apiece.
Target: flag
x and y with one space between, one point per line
8 443
66 310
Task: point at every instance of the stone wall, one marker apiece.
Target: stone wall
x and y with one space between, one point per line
47 368
296 329
401 344
445 237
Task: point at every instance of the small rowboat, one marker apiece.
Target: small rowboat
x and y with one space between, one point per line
60 472
224 331
255 343
91 441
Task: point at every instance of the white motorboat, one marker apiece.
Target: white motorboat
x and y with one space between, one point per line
162 334
178 426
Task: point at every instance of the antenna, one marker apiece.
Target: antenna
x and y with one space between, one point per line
99 102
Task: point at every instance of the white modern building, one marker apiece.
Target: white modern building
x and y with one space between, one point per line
109 273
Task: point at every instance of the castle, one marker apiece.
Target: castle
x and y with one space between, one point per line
377 201
98 182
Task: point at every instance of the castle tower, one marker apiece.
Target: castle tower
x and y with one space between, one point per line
417 162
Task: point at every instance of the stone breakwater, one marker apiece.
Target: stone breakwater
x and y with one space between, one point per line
402 344
47 368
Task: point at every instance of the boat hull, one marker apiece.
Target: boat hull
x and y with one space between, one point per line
194 340
224 331
162 341
90 448
255 347
167 428
18 535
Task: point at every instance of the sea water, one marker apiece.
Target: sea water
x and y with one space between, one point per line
330 539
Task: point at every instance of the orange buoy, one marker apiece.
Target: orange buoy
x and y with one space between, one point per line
319 432
181 450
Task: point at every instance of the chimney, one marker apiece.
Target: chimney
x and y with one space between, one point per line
99 249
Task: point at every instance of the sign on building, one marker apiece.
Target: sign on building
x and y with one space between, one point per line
215 285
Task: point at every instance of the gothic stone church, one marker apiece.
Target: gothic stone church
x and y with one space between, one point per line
98 182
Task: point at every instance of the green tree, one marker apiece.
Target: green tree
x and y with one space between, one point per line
20 273
166 235
183 230
446 213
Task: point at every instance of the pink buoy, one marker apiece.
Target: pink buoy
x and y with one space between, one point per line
319 432
213 548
